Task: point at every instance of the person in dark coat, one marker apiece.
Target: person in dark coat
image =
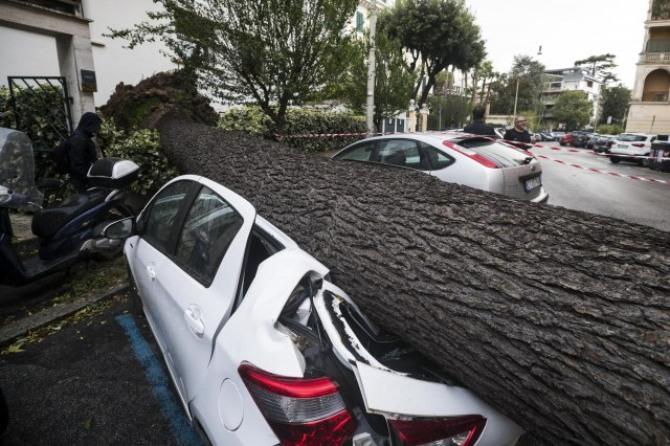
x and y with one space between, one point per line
478 126
519 132
81 149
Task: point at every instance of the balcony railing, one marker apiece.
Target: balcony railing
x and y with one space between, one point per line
655 96
661 58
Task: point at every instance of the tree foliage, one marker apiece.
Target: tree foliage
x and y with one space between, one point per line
530 75
393 80
436 34
272 51
615 102
600 66
574 109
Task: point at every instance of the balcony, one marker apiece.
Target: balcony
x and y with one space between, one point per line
655 58
655 96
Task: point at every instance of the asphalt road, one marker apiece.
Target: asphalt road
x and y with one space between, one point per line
603 193
99 381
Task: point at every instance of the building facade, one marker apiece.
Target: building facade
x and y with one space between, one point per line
569 79
66 38
650 106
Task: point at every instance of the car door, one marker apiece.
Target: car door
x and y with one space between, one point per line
197 285
402 153
156 234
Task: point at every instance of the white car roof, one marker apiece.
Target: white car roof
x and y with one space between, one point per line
429 137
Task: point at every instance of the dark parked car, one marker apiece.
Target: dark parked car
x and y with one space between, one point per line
575 139
603 143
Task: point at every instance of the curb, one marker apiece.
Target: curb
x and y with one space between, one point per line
23 326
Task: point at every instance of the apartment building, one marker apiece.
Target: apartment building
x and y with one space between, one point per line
650 106
569 79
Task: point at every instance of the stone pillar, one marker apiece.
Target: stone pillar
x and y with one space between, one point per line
411 117
75 54
423 113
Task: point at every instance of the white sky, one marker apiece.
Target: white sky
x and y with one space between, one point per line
568 30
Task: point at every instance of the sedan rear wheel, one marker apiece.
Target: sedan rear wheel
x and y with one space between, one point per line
614 160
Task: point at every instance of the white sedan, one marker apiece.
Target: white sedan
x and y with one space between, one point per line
634 147
455 157
264 350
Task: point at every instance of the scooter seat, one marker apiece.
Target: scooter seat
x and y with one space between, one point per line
49 221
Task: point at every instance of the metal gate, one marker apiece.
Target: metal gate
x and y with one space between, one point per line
41 107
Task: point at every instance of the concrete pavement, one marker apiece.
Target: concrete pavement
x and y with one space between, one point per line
635 201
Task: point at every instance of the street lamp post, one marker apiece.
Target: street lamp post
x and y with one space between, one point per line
370 106
516 97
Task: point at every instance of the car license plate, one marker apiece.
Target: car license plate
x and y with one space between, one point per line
532 183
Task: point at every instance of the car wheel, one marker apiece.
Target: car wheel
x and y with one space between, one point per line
614 160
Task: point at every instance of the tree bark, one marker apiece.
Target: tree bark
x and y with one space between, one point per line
560 319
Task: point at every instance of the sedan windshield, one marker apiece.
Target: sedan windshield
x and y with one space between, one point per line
632 138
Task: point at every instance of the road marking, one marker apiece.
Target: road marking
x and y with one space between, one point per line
604 172
160 384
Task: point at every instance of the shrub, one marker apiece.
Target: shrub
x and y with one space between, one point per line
610 129
300 121
143 147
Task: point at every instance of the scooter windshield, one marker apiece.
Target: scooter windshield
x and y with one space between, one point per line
17 166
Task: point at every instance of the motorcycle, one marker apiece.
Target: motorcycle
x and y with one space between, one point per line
68 232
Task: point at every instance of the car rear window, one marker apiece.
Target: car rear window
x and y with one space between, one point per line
501 154
632 138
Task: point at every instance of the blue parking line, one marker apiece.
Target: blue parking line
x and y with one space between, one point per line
179 425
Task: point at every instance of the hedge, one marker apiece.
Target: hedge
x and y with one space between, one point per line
300 122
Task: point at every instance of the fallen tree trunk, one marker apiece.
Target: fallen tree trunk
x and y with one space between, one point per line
560 319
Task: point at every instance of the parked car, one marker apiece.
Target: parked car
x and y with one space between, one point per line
575 139
591 141
475 161
557 135
500 132
547 136
264 350
632 145
603 143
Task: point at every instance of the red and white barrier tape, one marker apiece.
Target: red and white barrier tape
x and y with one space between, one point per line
606 155
324 135
604 172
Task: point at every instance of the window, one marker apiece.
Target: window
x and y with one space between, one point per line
438 160
209 228
359 152
159 220
589 84
402 152
360 20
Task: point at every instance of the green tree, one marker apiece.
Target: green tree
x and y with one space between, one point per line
600 66
529 73
615 102
436 34
393 80
574 109
271 51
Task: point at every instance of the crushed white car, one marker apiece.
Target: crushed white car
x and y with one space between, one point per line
263 349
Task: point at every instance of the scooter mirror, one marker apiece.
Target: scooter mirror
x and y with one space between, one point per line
120 230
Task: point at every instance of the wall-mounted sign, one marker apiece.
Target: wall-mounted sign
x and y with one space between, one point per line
88 82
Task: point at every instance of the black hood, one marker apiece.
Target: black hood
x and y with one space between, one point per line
89 123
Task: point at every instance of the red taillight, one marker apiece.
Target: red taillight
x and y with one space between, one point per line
301 412
460 431
472 155
638 145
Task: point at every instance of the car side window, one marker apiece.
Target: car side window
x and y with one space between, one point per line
402 152
159 220
359 152
210 226
438 159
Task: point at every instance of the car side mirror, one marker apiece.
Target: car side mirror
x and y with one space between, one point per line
120 230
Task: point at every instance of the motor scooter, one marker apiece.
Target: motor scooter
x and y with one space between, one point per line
68 232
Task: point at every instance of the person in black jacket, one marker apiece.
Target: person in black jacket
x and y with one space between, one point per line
519 132
81 151
478 126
